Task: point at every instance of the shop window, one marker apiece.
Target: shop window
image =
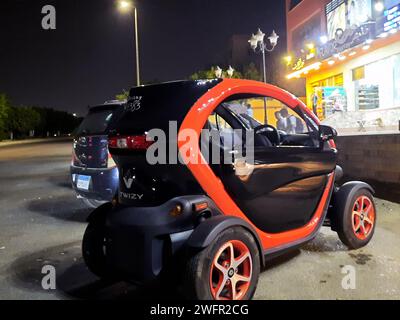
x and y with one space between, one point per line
327 101
335 81
378 87
338 80
396 80
329 96
368 96
358 73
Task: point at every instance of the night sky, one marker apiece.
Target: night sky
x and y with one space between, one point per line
90 57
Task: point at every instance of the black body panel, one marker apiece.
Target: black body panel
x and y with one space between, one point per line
142 242
154 107
285 187
277 251
152 185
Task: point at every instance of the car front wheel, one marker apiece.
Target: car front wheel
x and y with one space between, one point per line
356 225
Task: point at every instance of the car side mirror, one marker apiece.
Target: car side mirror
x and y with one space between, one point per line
327 133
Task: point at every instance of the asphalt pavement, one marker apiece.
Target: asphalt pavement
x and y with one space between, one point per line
42 223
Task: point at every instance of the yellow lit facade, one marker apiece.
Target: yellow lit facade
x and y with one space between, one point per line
353 85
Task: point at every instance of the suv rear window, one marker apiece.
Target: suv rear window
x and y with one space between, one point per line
98 120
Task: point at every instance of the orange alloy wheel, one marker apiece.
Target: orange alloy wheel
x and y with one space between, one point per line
231 271
363 217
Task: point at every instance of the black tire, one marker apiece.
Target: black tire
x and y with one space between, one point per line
93 249
197 273
344 222
91 203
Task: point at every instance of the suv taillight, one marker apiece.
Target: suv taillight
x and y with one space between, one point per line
110 162
75 160
130 142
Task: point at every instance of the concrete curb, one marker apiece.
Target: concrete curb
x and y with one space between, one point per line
33 141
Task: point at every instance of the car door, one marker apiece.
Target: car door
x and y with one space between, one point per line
283 186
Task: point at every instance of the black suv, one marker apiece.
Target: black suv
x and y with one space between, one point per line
94 174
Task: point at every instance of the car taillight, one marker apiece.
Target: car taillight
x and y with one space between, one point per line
111 163
75 160
130 142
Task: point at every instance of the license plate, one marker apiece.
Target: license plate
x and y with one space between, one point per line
83 182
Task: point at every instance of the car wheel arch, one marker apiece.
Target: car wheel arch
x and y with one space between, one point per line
208 231
342 196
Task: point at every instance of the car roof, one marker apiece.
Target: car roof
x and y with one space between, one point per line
175 83
107 105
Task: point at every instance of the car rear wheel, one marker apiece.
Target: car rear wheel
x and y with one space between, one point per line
226 270
93 249
92 203
357 224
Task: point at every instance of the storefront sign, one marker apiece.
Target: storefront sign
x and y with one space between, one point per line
346 39
298 65
392 19
344 14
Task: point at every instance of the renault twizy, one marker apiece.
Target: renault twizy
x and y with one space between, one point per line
216 223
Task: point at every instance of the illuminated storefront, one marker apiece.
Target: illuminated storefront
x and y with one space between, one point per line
352 68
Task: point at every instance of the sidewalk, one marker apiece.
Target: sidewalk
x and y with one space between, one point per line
8 143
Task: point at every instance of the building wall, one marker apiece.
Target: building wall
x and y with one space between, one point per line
371 158
303 12
384 119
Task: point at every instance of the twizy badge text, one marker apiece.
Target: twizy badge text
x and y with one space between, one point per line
128 181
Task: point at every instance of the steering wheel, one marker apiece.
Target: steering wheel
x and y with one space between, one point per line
270 132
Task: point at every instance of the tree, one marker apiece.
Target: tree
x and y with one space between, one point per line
210 74
252 73
21 120
122 96
18 122
54 122
203 74
4 111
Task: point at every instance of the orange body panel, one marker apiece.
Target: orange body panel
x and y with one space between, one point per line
213 186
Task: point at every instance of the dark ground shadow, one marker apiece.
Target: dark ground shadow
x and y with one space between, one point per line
61 180
75 281
65 207
325 243
281 260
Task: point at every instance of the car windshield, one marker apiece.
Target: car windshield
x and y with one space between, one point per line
249 121
96 122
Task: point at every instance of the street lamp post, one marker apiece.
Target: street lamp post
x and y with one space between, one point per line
230 72
219 73
127 6
258 45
